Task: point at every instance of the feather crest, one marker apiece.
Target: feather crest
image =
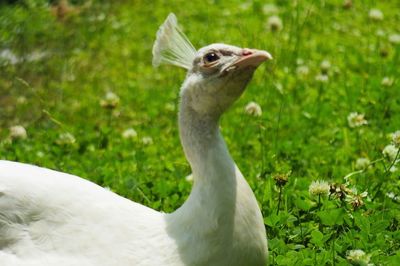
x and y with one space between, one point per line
172 46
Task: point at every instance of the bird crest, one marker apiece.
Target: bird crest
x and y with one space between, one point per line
172 46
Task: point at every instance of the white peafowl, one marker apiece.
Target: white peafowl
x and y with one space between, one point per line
51 218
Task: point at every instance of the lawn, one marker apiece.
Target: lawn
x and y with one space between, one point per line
78 78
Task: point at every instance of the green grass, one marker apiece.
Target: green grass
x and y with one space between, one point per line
303 129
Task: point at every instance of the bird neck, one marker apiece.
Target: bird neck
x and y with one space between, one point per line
203 144
214 220
214 171
213 196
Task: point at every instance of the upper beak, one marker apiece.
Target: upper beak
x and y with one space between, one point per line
249 57
252 57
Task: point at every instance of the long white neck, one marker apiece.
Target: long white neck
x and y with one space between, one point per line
201 141
213 169
221 207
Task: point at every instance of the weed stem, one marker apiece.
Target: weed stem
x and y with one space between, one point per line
279 200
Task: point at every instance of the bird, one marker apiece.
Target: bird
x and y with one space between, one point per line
53 218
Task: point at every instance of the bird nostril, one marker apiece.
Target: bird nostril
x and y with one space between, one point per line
246 52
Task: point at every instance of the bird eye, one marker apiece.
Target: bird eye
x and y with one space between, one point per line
210 57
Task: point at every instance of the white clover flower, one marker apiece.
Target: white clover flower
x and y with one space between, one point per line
390 152
396 139
147 140
319 188
18 132
355 199
358 257
393 168
375 14
65 139
274 23
129 133
386 81
253 108
362 163
302 70
394 38
356 120
392 196
322 78
325 66
110 100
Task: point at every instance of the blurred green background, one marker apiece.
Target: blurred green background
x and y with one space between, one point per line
76 75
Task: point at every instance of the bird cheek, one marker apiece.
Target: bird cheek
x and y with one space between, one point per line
209 70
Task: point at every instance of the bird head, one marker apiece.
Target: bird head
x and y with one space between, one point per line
217 74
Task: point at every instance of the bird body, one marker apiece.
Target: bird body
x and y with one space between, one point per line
52 218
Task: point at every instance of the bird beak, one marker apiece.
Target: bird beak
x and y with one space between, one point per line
252 57
249 58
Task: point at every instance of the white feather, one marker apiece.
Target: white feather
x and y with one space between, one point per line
172 46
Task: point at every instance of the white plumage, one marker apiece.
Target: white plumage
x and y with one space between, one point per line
172 46
52 218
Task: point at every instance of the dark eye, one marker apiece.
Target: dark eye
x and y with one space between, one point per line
210 57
